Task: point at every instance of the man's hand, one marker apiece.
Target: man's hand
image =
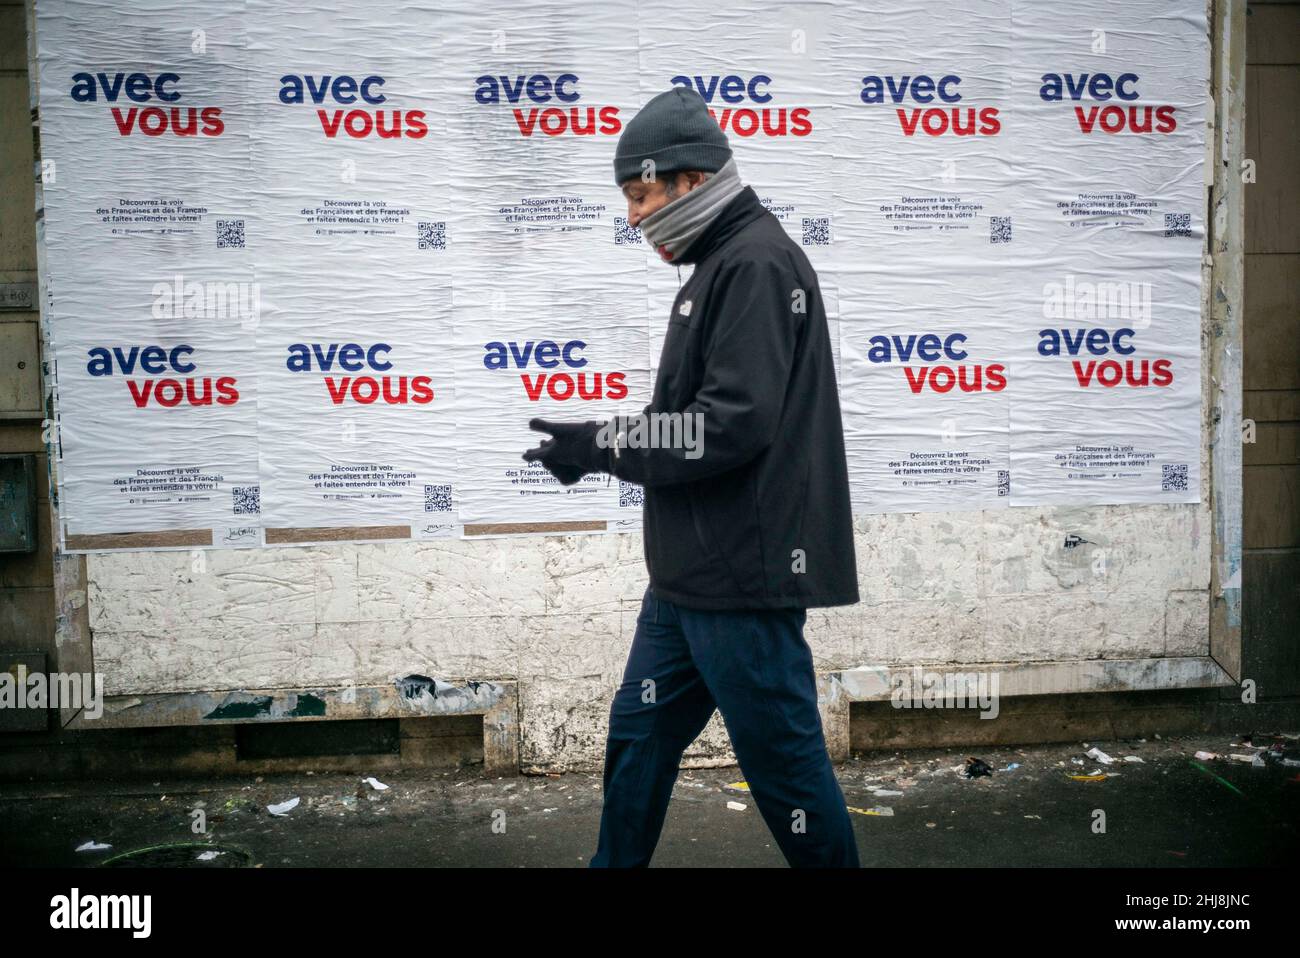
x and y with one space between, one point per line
571 453
567 475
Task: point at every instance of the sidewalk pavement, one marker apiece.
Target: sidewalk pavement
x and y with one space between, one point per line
1170 809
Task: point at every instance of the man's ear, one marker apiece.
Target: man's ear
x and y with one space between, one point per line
694 178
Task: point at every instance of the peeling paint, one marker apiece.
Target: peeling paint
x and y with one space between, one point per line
240 705
1233 584
414 686
307 705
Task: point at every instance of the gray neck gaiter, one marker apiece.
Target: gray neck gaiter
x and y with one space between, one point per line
673 228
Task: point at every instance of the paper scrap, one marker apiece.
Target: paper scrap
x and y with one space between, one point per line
284 808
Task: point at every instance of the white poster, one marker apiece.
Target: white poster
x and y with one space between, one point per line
926 190
316 268
549 292
1110 134
146 129
356 341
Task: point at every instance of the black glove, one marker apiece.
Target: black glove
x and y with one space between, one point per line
572 453
567 475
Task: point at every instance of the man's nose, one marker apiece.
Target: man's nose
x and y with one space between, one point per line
633 218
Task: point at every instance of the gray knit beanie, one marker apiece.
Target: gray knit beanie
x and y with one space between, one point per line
675 131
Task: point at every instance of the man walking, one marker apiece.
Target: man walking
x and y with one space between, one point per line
744 529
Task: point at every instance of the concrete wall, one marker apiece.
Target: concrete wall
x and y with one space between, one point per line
1271 355
557 613
26 579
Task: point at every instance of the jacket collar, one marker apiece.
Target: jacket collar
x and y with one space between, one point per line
731 219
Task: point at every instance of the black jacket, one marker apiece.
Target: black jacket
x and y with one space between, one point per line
748 347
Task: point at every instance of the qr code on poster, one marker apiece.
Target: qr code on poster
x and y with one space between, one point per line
247 500
625 235
1173 477
630 494
999 229
816 231
1178 224
433 235
1004 482
230 234
437 498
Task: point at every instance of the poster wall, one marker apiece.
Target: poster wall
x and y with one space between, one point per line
316 268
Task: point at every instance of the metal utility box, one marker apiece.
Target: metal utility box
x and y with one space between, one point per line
21 666
18 503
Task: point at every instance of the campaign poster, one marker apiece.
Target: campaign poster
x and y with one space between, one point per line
355 344
151 287
550 286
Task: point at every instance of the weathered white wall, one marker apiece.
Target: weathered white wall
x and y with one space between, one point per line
558 613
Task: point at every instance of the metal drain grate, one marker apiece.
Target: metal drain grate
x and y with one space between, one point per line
183 855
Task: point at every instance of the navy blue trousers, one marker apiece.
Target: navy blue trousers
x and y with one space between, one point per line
754 667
